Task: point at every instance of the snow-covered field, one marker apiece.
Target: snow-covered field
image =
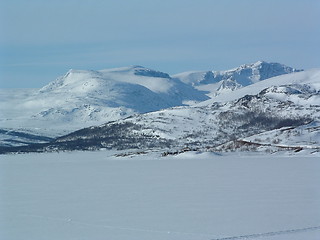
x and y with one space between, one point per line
94 195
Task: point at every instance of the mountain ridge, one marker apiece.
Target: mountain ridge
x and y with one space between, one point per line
78 95
216 126
219 82
83 98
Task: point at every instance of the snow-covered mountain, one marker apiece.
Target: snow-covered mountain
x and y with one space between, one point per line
84 98
267 108
107 95
219 82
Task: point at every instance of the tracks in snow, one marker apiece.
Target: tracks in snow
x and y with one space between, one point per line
249 236
270 234
124 228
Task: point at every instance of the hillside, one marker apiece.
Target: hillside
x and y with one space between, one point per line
287 101
221 82
84 98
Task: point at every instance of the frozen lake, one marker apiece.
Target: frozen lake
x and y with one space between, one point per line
95 196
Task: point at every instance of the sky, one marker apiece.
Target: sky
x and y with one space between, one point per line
42 40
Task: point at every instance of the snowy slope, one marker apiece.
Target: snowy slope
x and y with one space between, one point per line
306 136
210 125
96 196
84 98
309 78
221 82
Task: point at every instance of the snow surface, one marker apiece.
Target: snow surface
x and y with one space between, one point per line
95 195
84 98
310 77
306 136
206 124
211 125
223 82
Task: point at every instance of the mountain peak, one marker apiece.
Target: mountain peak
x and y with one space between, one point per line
260 62
150 73
216 82
137 70
83 98
110 94
138 67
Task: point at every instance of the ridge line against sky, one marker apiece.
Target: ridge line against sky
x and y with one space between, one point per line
41 40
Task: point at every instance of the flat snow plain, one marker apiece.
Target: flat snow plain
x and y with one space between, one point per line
94 195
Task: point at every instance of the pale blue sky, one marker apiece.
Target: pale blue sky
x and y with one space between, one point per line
41 40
